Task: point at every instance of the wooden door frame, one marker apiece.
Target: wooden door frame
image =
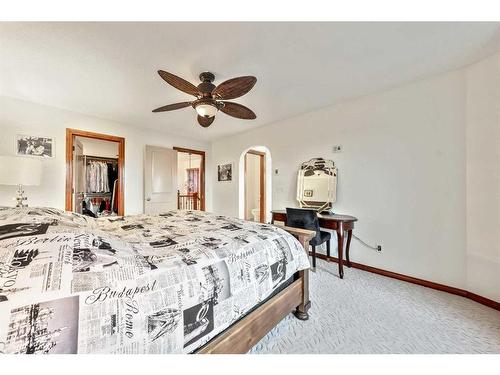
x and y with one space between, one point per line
262 181
70 136
202 171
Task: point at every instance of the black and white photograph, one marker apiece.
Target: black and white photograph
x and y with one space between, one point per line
163 242
278 271
46 327
198 321
231 227
218 285
22 230
189 260
262 273
211 242
91 260
163 322
35 146
225 172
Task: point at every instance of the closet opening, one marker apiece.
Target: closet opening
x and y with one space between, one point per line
94 173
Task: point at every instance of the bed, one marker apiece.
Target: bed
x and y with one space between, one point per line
177 282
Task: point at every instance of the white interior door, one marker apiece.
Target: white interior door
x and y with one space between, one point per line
160 180
78 177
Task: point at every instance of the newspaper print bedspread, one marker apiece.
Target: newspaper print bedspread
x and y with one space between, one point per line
137 284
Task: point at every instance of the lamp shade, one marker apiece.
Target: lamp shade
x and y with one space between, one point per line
15 170
206 110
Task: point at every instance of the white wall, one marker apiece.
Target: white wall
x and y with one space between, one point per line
23 117
98 147
401 172
483 178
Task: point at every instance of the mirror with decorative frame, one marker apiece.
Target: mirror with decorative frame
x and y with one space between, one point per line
317 184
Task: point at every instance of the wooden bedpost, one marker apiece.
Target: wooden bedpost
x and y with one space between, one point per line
302 310
304 236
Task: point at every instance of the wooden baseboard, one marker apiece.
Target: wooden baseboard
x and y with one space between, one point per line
429 284
483 300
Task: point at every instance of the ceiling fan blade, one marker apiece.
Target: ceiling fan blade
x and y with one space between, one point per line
234 88
179 83
238 111
171 107
205 121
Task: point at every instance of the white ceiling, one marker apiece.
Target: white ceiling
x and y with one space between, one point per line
109 69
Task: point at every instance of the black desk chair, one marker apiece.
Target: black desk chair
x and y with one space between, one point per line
308 219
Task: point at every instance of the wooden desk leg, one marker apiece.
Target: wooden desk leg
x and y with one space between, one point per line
340 241
349 236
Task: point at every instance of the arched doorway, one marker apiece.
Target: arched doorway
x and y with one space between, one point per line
255 179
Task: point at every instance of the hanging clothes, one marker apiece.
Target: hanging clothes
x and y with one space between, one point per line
97 177
100 187
112 175
104 178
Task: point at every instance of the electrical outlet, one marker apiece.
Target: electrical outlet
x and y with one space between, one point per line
337 148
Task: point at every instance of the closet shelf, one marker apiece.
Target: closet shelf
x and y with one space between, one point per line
100 158
96 194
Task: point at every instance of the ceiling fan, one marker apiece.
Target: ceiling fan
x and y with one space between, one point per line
211 98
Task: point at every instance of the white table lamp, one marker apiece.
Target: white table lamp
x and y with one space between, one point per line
15 170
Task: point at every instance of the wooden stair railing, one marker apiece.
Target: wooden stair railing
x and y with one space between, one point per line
188 201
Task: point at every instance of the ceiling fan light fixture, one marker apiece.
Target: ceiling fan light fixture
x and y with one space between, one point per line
210 98
206 110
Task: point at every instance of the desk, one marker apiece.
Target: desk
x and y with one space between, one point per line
338 223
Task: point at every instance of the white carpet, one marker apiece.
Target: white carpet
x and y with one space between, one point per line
368 313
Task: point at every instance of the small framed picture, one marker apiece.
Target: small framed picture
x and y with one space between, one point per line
43 147
225 172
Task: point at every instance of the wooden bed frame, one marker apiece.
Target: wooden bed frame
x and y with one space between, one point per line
243 335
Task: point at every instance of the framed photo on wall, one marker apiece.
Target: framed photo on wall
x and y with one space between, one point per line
225 172
28 145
